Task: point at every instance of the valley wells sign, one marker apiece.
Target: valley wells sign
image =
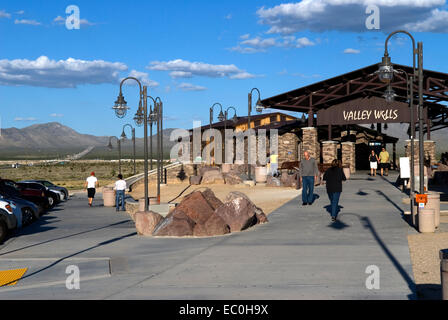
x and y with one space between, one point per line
366 110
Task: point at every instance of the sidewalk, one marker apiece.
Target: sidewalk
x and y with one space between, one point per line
299 254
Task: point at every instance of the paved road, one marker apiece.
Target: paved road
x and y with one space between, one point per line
300 254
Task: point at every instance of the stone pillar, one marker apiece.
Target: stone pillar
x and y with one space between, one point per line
329 151
310 142
287 147
348 155
429 150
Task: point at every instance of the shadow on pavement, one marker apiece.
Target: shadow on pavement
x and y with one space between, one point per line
65 237
72 255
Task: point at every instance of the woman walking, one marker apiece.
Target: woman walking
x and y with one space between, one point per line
373 159
334 177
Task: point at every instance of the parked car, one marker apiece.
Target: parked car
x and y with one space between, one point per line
54 197
8 220
51 186
37 196
25 211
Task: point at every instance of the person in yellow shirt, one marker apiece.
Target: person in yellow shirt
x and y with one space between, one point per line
384 161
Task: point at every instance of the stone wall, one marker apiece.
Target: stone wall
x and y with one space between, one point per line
329 151
311 142
348 155
429 150
287 147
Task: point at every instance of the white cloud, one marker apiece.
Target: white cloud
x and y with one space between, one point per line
25 119
259 44
185 69
4 14
351 51
56 115
69 73
25 21
436 22
245 36
83 22
349 15
228 17
144 79
20 12
59 19
190 87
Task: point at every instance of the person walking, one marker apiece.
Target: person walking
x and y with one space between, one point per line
384 161
308 174
334 177
120 188
91 185
373 159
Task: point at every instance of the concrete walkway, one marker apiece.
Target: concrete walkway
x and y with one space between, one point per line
299 254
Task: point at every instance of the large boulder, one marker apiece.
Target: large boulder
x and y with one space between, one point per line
195 180
232 178
212 200
176 224
212 177
146 222
214 226
289 180
196 207
238 213
259 214
273 182
205 169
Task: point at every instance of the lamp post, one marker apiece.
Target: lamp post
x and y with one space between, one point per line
386 72
119 151
249 110
220 117
124 137
141 117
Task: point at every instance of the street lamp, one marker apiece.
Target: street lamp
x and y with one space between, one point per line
220 118
110 147
123 138
386 74
141 117
226 113
249 110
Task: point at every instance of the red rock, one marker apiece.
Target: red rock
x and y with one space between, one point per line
212 200
176 224
232 178
261 217
145 222
212 177
195 180
238 213
196 207
273 182
206 169
259 214
288 180
214 226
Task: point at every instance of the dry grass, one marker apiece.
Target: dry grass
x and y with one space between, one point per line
71 175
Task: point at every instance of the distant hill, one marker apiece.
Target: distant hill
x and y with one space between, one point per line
54 140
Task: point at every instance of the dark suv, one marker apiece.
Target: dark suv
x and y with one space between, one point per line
36 196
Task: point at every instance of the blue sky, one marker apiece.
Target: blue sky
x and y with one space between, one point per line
191 53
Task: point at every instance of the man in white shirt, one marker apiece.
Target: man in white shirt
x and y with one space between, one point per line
90 186
120 188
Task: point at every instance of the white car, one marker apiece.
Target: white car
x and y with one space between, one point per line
8 220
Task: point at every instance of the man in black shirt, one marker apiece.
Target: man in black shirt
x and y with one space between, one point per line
334 177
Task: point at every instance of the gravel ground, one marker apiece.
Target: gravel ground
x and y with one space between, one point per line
424 249
267 198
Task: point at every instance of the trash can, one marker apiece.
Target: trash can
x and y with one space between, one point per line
426 220
108 197
260 174
444 272
434 203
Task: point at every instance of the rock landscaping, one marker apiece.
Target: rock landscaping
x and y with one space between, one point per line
202 214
